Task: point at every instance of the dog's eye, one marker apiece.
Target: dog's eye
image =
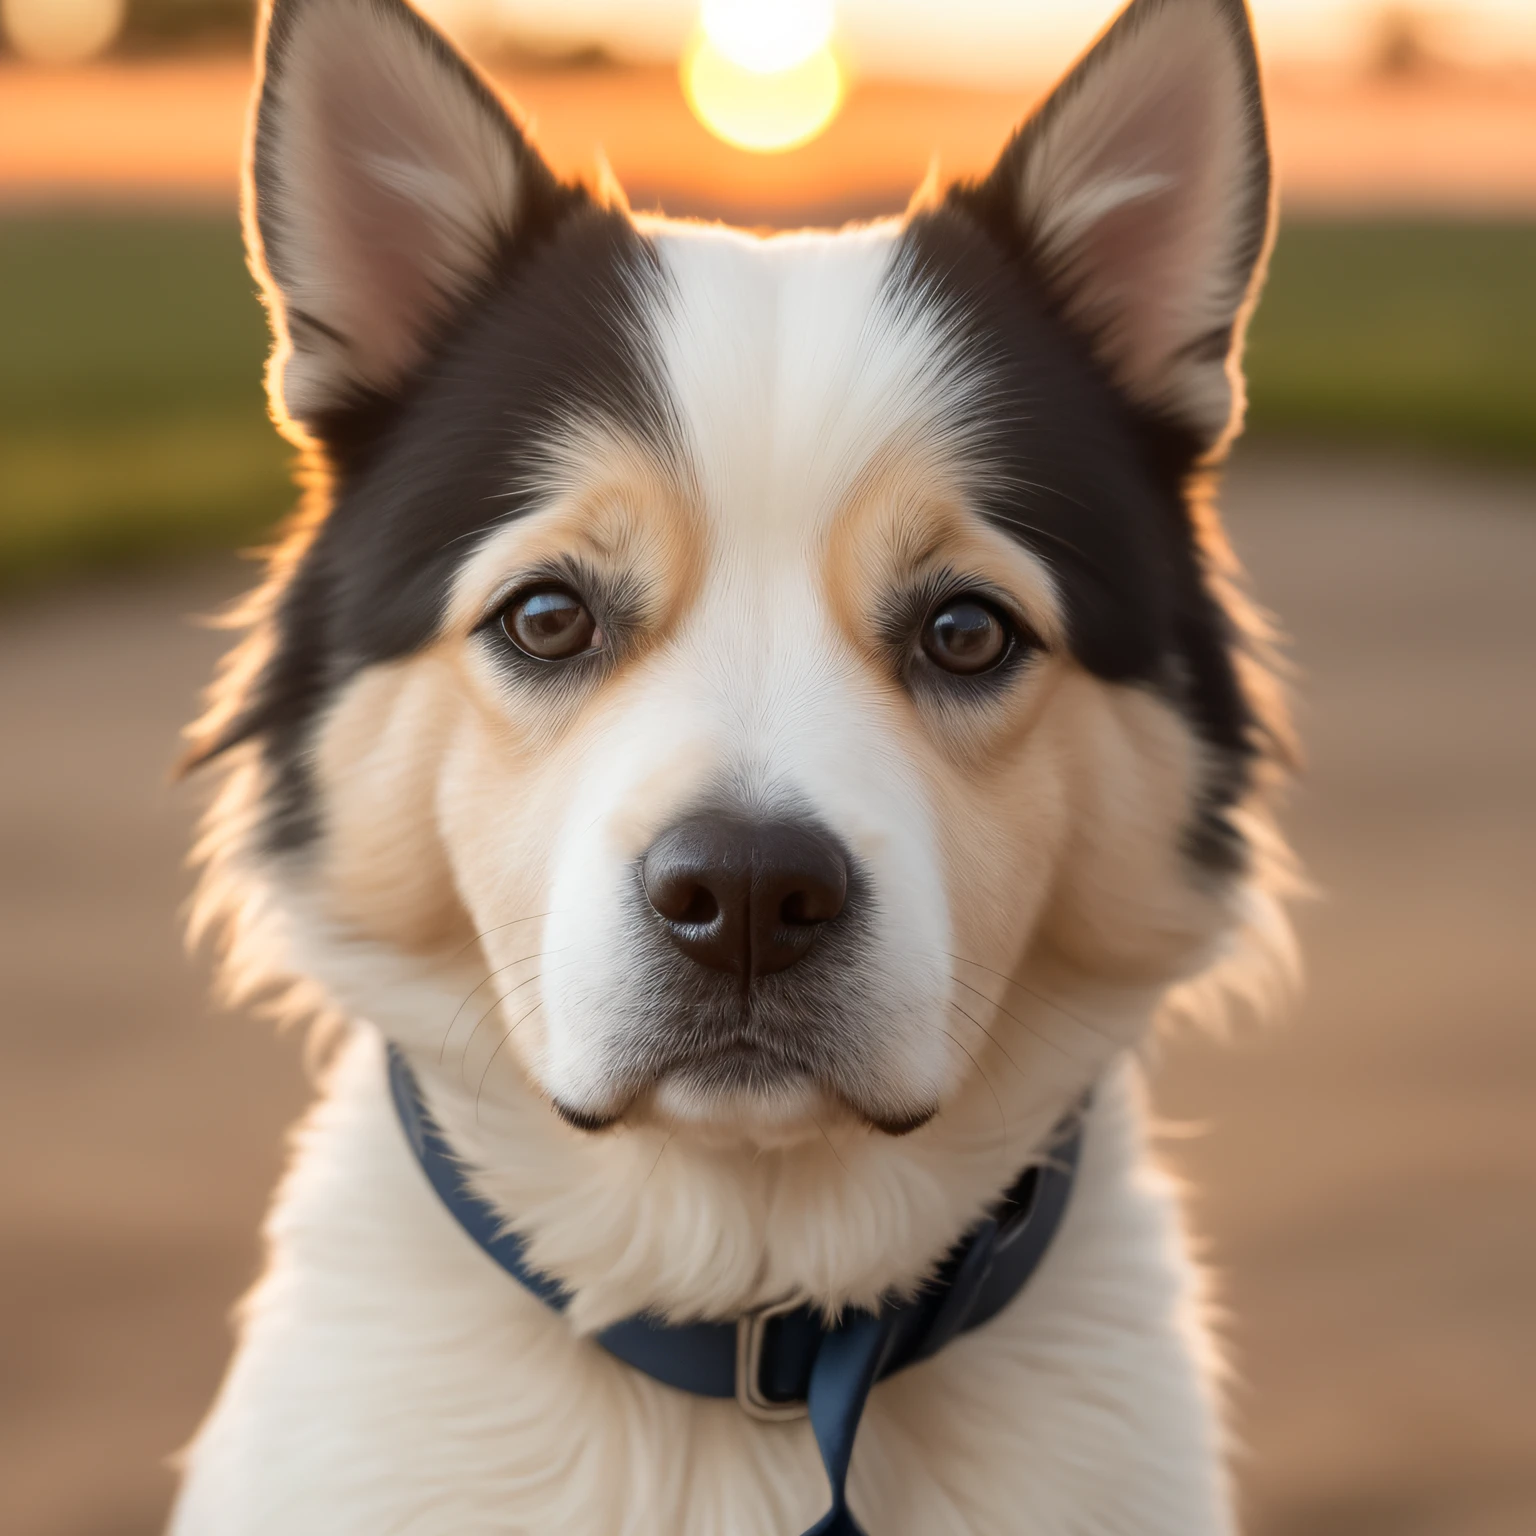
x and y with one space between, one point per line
966 635
550 624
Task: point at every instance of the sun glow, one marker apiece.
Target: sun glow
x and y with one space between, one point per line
61 31
761 74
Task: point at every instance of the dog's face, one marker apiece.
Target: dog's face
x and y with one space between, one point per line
752 656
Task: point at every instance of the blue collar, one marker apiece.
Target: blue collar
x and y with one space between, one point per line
783 1362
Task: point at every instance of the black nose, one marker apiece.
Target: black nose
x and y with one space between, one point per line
743 896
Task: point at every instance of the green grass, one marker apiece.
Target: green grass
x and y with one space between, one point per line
132 420
131 413
1414 333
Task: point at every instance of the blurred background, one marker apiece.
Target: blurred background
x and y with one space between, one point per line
1362 1177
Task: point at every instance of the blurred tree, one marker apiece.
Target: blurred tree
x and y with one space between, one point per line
1401 47
155 26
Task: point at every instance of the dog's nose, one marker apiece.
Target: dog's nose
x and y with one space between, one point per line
742 896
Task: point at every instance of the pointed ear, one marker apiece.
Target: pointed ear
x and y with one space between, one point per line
1141 190
385 177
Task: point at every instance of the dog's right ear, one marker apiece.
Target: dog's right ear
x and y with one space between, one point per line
385 180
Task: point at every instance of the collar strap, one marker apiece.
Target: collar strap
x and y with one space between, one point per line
786 1361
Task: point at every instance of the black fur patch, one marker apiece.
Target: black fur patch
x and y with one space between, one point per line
1095 486
1091 483
556 333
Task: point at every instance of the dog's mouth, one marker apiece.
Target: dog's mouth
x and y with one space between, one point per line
740 1080
738 1065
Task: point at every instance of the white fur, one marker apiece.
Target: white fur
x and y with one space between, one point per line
467 900
392 1379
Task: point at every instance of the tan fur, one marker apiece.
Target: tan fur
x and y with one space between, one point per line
384 867
473 896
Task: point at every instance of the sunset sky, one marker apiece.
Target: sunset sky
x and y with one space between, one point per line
996 43
1003 42
871 92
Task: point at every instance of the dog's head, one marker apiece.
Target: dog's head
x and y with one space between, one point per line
787 674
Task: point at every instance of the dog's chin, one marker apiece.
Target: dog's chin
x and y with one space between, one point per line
766 1109
778 1112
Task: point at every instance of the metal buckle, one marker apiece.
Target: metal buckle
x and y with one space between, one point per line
751 1329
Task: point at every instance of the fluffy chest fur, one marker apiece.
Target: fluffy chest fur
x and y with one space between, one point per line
761 725
393 1379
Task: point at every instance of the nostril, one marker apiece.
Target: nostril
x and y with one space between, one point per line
701 908
681 897
816 892
803 909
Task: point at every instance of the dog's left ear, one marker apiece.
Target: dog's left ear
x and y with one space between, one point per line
1141 191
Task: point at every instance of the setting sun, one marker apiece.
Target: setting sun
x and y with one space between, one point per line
763 76
767 38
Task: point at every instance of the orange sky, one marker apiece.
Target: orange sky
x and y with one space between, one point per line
173 130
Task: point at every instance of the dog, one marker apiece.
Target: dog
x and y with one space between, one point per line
743 739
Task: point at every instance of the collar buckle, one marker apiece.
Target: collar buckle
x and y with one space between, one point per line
751 1333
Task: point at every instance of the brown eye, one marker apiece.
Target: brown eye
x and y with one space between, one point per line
550 624
965 635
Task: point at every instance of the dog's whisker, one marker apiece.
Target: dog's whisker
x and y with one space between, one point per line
486 1070
510 965
537 976
463 1054
830 1146
982 1072
510 993
1028 1029
448 1033
1039 997
532 917
654 1166
1036 1101
966 1014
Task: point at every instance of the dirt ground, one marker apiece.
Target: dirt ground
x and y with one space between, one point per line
1364 1177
